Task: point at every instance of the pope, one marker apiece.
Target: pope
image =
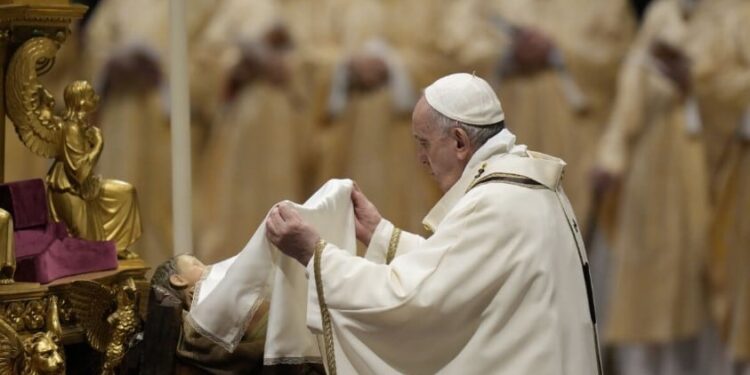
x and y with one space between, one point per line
500 287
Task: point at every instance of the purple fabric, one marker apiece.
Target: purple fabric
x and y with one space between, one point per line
44 250
30 242
67 257
26 201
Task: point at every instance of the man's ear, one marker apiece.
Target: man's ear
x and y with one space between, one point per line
177 281
462 142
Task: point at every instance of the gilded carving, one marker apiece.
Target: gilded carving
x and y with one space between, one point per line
40 353
7 249
66 311
109 317
14 315
34 315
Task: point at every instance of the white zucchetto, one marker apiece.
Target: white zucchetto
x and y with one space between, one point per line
465 98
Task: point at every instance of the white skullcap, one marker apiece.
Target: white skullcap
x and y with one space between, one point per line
465 98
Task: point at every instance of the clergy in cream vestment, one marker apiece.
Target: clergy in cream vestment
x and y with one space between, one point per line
499 288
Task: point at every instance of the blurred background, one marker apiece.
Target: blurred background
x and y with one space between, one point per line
647 101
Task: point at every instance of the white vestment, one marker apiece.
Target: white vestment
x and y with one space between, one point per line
499 288
227 297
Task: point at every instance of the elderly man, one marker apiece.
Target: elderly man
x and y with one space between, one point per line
501 285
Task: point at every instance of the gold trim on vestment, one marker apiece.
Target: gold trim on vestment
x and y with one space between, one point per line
393 245
325 316
507 178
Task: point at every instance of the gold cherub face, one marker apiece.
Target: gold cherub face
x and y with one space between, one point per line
44 354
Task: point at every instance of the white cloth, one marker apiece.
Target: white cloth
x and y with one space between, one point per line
231 290
499 288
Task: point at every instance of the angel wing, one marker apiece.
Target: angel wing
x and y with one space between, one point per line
10 348
93 303
29 105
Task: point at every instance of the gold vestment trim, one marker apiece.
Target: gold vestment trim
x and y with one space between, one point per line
393 245
325 316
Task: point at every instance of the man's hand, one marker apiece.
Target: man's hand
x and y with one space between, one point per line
136 68
366 216
674 64
602 181
286 229
531 51
269 65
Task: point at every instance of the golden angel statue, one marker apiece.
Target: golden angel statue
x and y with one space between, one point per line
109 317
93 208
40 353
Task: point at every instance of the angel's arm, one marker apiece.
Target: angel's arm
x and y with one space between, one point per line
79 157
98 144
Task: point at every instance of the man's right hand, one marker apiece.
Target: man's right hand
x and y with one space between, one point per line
366 216
674 64
602 181
531 51
136 68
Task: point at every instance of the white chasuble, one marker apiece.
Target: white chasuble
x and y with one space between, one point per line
499 288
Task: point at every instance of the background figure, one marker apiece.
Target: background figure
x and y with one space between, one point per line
730 235
252 156
653 144
380 59
731 261
127 44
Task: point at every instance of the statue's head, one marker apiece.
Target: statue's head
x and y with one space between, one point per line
43 353
127 292
177 278
80 97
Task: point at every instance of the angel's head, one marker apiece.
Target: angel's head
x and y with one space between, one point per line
178 276
43 354
80 99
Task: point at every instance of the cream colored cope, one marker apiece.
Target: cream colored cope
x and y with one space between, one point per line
499 287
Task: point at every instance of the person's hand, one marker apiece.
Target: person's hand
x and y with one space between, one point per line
366 216
286 229
269 65
674 64
278 38
602 181
136 68
531 51
367 73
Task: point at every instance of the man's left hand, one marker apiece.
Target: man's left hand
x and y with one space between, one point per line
286 229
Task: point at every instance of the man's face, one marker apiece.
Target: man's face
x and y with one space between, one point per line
441 152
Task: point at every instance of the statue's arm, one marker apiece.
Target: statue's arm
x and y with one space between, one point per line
79 159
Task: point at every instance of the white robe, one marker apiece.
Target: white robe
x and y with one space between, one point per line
498 289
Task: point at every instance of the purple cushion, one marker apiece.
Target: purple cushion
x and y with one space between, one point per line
67 257
44 249
26 201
